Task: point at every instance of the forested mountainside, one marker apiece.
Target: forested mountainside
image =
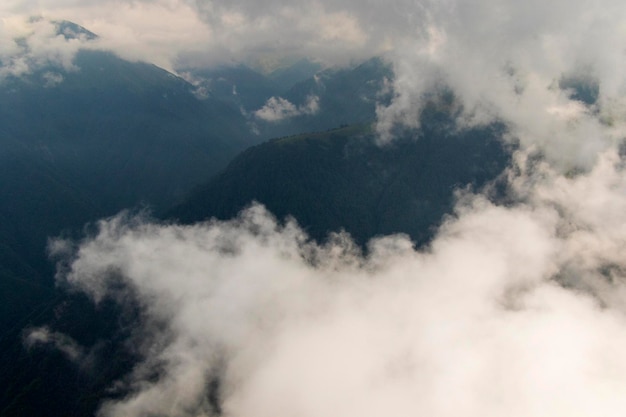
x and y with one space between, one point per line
342 179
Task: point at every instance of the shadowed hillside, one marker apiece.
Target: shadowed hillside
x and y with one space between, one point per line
341 179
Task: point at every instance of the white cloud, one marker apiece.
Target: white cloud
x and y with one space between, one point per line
502 59
61 342
511 310
167 32
278 108
32 44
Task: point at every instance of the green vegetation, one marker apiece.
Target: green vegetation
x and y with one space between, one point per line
341 179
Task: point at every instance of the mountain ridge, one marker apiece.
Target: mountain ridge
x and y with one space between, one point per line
342 179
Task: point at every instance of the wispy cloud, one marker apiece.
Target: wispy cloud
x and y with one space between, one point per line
278 108
44 336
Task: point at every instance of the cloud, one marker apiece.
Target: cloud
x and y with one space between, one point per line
515 310
180 33
155 32
503 60
63 343
52 79
28 45
278 108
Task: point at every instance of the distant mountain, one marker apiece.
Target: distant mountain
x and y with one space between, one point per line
240 86
287 76
347 96
275 104
71 30
341 179
244 88
342 96
123 132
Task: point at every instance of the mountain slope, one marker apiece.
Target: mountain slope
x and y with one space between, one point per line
341 179
125 132
76 145
239 86
342 97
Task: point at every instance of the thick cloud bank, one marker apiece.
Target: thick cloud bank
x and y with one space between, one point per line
514 310
523 63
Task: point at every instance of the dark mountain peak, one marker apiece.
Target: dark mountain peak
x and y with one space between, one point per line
288 76
375 64
71 30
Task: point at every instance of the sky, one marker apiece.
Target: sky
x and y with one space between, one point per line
512 310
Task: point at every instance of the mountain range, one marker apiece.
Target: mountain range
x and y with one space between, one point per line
84 143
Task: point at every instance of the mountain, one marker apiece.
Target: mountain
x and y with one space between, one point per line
287 76
245 88
339 179
81 143
297 98
238 85
76 145
124 132
343 96
342 179
346 96
70 30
